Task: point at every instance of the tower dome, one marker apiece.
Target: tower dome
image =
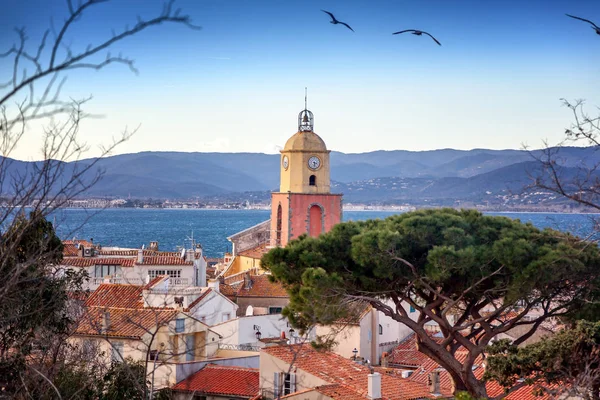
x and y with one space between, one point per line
305 139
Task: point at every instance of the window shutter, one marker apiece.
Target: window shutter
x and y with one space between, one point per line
292 383
276 384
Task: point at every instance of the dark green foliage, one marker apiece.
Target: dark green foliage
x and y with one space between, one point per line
125 380
443 263
451 250
33 298
569 359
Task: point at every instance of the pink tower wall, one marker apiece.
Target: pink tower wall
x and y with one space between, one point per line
296 213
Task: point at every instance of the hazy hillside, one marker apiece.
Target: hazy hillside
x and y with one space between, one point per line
377 176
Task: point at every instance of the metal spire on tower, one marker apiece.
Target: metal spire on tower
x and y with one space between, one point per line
305 118
305 96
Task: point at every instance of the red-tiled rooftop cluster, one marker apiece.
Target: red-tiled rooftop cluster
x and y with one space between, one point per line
219 380
350 375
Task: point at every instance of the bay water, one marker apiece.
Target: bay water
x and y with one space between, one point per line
133 227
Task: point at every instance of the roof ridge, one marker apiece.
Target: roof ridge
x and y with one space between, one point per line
218 366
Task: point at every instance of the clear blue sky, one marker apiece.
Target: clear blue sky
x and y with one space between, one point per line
238 84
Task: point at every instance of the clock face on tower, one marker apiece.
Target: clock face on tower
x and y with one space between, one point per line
285 162
314 162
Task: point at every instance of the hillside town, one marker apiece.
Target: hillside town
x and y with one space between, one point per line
447 248
214 328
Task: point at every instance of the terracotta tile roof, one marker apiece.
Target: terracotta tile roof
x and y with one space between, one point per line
220 380
134 252
164 260
116 295
357 311
406 353
91 261
124 322
255 252
337 391
70 247
70 250
229 290
261 287
336 369
425 366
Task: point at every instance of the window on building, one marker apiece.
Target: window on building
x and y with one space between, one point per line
279 222
154 355
117 351
179 325
412 309
289 384
380 329
312 180
100 271
172 273
189 348
275 310
226 317
283 384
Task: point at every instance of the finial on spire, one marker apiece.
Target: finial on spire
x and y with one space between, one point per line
305 96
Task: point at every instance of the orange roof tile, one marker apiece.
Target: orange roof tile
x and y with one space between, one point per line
406 353
255 252
221 380
261 287
229 290
343 392
124 322
336 369
134 252
91 261
116 295
70 247
164 260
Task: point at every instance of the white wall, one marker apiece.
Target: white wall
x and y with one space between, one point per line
214 309
241 330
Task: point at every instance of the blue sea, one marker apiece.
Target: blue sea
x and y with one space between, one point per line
174 227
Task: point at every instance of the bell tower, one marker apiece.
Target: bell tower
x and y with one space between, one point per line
304 203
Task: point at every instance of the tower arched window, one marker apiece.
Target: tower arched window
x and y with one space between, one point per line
278 233
315 220
380 329
312 180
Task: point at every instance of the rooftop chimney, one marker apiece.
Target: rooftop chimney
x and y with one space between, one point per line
105 321
140 258
214 284
153 246
374 389
434 383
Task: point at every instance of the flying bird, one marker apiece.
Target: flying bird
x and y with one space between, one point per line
594 26
335 21
418 33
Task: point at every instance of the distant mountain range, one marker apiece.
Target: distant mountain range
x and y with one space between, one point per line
379 176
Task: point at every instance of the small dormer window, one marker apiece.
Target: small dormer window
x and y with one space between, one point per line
312 181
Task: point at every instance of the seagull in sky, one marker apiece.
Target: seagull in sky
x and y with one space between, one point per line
594 26
418 33
335 21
